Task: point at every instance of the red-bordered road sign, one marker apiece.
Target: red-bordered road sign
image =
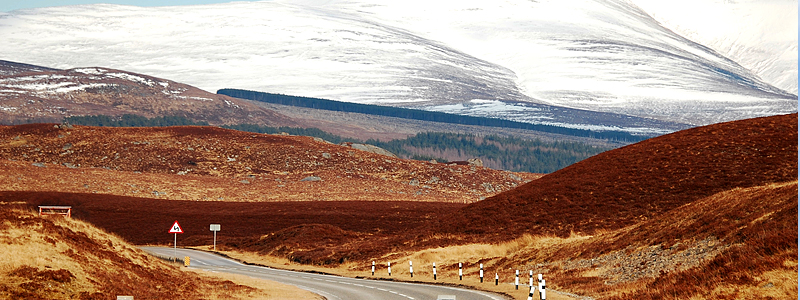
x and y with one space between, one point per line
176 228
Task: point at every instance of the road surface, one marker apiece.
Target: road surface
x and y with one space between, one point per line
331 287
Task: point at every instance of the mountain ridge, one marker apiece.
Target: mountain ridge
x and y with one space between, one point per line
601 55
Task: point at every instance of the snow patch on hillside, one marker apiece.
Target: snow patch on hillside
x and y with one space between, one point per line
761 35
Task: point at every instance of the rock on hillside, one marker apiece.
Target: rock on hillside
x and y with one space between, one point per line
628 185
210 163
42 94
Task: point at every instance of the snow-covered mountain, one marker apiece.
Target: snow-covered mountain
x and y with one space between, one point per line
761 35
505 58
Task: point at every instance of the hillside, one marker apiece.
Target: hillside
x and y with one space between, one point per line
439 117
760 35
635 183
31 93
736 244
707 212
210 163
105 97
61 258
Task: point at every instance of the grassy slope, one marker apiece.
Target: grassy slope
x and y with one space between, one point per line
632 184
58 258
757 229
736 244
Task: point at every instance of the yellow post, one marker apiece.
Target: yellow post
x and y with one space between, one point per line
186 261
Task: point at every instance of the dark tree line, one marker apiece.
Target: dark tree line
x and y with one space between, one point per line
421 115
129 120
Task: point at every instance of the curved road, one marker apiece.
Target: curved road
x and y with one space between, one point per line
331 287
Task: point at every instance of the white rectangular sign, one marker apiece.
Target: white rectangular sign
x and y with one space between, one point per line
214 227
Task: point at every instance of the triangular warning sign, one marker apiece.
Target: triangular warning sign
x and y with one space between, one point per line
176 228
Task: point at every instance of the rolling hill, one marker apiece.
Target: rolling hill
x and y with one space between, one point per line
61 258
38 94
631 184
708 212
211 163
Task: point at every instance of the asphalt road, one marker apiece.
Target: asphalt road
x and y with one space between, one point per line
331 287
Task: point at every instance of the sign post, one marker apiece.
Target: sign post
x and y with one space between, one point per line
176 228
215 228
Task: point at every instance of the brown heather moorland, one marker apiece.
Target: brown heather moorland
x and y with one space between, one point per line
635 183
59 258
705 213
210 163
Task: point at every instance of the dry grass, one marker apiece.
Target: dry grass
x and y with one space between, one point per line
446 258
59 258
262 289
734 244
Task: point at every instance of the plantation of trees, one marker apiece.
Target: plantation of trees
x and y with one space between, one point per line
497 152
129 120
421 115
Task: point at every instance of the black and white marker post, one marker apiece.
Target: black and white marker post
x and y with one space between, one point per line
540 281
530 294
530 277
460 272
389 267
516 281
481 274
496 279
373 268
411 268
434 271
542 291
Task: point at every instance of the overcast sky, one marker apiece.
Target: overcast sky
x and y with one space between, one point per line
9 5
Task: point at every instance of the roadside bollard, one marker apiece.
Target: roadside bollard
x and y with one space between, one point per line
530 277
481 274
373 268
540 281
530 294
542 291
389 267
496 279
434 271
460 272
516 281
411 268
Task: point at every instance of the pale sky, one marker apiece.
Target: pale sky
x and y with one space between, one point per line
9 5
